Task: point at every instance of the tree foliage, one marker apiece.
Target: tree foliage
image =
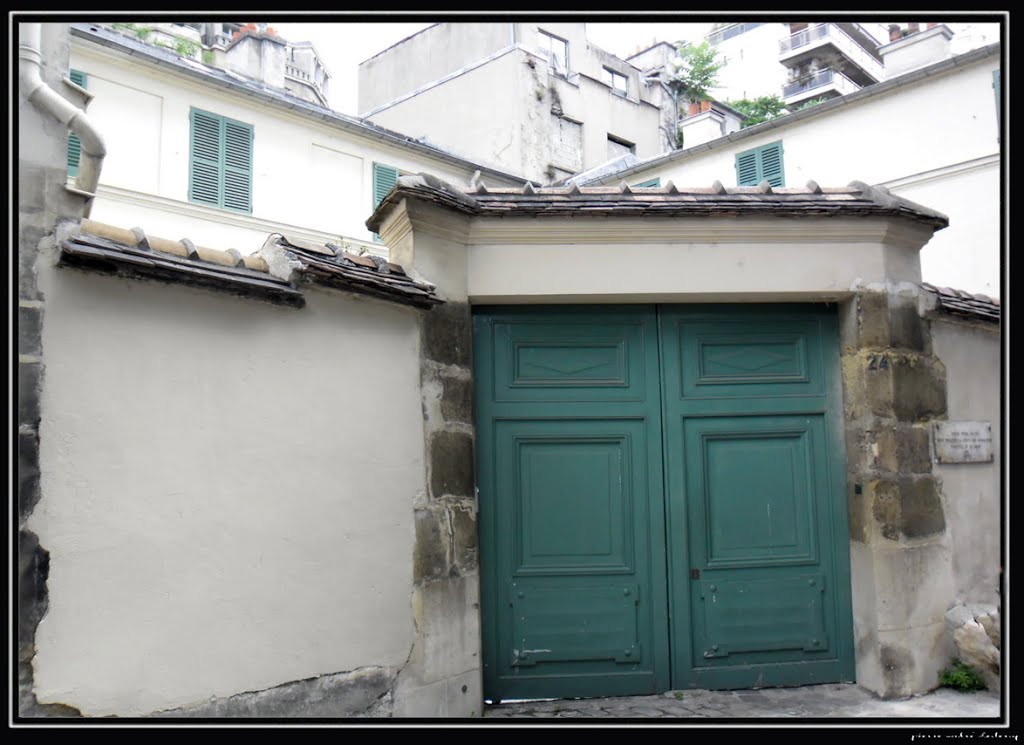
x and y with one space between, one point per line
812 102
759 109
696 70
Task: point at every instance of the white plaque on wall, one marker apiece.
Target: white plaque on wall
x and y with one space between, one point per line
963 442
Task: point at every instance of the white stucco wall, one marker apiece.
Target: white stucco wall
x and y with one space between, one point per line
499 114
475 112
892 139
309 178
973 360
966 255
604 113
228 491
686 260
497 110
424 57
752 66
917 50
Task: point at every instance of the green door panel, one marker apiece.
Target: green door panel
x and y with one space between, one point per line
571 507
562 624
661 499
757 524
763 512
765 615
571 358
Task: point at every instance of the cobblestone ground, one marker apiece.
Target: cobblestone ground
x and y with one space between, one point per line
840 701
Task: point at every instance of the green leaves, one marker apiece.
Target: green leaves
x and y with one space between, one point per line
759 109
812 102
696 70
961 677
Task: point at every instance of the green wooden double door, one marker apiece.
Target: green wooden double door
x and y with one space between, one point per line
661 499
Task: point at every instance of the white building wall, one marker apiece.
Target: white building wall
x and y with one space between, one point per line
475 112
500 114
220 514
580 57
422 58
972 357
934 141
309 179
603 114
752 66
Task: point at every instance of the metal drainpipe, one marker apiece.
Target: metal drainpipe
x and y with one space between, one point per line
44 98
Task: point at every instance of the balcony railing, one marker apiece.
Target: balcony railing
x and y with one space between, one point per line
297 73
803 38
717 37
843 41
839 82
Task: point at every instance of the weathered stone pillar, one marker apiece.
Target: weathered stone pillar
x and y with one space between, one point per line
44 204
443 674
900 554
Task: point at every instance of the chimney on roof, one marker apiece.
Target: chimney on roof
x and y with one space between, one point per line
913 27
895 34
258 53
918 49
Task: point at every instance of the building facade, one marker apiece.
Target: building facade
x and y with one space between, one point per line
936 165
535 99
214 154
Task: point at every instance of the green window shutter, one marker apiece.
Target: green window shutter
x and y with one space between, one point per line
74 144
237 166
654 182
204 181
220 162
996 80
760 164
771 164
384 180
746 168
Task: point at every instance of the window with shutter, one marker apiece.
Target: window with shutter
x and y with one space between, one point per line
220 162
746 168
384 180
237 166
761 164
997 88
771 164
74 144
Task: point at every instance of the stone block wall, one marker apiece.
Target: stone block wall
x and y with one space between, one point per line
443 674
894 387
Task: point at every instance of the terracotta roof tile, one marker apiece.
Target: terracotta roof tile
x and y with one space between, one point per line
91 251
365 261
857 198
365 274
958 302
110 248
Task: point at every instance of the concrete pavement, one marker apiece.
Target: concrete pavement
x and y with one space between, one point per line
838 701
